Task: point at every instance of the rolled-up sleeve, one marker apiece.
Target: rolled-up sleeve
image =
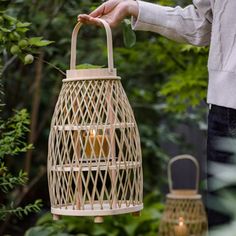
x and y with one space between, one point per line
191 24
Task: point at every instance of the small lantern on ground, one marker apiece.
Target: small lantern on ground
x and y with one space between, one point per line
184 213
94 157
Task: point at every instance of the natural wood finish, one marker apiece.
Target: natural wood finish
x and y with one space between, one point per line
191 210
184 212
55 217
96 211
179 158
109 44
94 152
116 177
98 219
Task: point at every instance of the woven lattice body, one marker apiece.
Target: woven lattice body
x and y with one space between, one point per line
94 160
190 210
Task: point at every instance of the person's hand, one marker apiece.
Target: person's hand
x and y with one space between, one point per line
112 11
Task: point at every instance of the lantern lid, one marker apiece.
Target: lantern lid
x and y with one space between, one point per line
184 194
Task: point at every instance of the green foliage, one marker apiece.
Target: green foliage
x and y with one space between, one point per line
122 225
185 89
12 143
129 36
166 2
183 66
14 42
39 42
187 86
14 39
8 181
12 134
19 211
88 66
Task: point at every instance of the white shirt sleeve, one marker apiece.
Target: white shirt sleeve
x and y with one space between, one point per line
191 24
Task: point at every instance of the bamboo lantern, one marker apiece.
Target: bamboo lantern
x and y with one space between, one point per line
184 213
94 157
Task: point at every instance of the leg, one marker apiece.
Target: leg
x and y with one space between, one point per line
220 124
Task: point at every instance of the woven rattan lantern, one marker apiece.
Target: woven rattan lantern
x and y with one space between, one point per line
184 213
94 157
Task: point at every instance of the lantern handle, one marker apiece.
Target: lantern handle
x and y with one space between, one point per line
109 44
183 157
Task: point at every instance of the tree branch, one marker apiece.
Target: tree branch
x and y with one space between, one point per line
8 63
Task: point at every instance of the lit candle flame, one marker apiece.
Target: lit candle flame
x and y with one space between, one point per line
96 144
92 132
181 228
181 221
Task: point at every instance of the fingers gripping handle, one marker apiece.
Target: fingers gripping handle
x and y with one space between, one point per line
183 157
109 45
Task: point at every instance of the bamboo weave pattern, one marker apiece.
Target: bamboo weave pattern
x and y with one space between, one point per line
94 160
184 213
191 210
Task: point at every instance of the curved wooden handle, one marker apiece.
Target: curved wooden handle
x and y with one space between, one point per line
109 45
183 157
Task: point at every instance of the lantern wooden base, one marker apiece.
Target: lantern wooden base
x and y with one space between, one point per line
96 211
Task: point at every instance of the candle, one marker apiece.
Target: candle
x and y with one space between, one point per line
96 145
181 229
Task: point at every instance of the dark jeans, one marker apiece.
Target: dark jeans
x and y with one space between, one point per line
221 123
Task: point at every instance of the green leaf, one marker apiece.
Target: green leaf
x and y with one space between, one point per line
46 219
23 24
129 36
10 18
37 41
38 231
22 29
5 30
88 66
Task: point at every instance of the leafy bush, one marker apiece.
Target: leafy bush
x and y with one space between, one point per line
14 43
12 143
14 39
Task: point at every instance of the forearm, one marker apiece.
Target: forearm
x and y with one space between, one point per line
189 25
